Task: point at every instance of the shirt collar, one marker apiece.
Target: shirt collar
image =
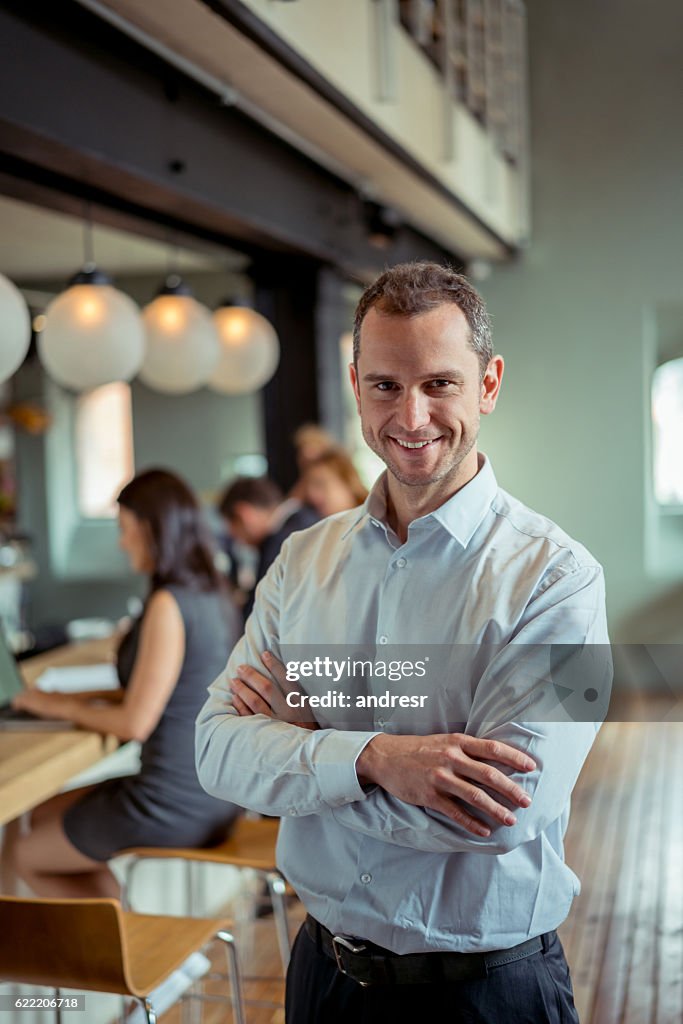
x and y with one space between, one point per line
460 515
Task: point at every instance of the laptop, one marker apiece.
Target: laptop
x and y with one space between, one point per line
11 683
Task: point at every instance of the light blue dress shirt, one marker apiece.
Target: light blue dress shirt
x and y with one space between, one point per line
482 576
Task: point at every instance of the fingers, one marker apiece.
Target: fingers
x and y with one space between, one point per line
481 800
256 681
279 673
276 669
450 785
451 810
26 701
495 750
240 706
251 702
489 776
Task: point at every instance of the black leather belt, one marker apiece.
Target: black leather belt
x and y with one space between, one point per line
369 964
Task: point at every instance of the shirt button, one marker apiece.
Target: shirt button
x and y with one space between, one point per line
401 563
366 878
291 811
381 723
384 639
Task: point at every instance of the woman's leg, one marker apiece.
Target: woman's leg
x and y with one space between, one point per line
51 865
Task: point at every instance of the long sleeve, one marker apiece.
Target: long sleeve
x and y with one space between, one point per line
521 701
263 764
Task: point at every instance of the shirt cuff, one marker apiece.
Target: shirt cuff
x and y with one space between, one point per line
335 766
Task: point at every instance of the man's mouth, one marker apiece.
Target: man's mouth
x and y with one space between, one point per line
415 444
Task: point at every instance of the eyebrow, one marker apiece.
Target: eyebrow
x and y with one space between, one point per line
437 375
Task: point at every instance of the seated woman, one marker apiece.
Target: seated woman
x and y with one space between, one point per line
165 664
331 483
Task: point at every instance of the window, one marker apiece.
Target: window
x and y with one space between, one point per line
667 422
104 449
368 464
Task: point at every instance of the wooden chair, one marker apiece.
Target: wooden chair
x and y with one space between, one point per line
251 844
93 944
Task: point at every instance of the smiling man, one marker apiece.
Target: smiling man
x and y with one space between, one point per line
427 848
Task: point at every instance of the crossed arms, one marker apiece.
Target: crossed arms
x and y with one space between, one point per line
491 788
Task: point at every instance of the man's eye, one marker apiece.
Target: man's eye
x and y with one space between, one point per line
385 385
440 382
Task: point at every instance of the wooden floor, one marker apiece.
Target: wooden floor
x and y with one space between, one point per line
624 936
263 977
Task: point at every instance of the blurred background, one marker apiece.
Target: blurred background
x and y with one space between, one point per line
193 195
278 155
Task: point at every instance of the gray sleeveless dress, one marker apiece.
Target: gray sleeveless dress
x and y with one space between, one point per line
164 804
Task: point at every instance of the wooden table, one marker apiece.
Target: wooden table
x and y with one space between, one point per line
35 765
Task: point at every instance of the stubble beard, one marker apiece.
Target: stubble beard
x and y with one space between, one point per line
450 469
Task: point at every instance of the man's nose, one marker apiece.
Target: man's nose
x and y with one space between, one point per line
413 411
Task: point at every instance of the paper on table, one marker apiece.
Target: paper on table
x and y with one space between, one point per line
73 678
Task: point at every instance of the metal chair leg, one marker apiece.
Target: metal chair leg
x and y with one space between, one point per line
278 890
190 888
128 882
234 974
150 1012
191 1005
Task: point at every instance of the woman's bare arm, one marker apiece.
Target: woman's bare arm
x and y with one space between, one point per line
135 713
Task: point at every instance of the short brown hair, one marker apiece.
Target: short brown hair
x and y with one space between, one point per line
409 289
254 490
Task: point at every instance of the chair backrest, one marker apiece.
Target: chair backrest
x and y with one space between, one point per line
63 943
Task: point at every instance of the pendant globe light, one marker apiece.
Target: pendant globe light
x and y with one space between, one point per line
93 333
15 328
182 343
250 350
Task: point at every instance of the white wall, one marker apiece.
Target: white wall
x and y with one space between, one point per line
577 316
342 41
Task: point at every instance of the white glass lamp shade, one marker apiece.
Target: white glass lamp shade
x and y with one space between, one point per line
250 351
15 328
182 344
93 335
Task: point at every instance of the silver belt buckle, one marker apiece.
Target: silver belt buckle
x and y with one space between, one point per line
347 942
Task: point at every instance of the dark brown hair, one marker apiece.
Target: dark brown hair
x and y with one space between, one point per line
340 463
182 549
409 289
255 490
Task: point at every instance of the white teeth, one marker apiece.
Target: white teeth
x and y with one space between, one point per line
413 444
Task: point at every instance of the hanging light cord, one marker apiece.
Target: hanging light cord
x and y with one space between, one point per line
88 245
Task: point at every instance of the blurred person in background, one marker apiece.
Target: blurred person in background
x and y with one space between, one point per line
257 514
165 663
310 442
331 484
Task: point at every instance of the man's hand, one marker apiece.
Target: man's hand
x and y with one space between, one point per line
440 771
256 694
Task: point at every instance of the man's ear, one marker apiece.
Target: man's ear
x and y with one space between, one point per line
353 374
490 385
